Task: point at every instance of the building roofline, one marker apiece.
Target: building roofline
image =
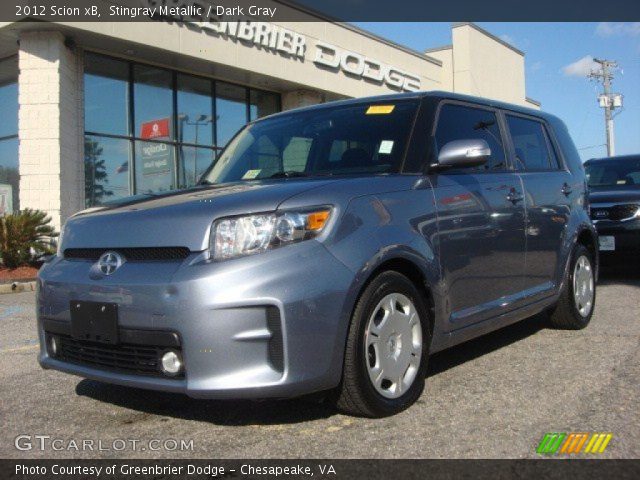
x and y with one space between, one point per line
390 43
531 100
361 31
438 49
488 34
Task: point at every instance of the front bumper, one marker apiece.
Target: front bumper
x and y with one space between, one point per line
627 236
269 325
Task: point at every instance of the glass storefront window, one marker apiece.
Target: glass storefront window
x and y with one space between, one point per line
9 172
106 95
262 104
9 176
155 170
231 110
152 100
163 149
106 166
193 163
195 110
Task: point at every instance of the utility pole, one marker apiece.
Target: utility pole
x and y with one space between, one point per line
607 100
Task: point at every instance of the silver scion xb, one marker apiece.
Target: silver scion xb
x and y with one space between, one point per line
328 249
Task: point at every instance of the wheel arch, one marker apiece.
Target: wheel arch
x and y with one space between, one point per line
584 235
410 270
589 239
406 262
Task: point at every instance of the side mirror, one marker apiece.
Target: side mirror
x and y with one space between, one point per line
463 154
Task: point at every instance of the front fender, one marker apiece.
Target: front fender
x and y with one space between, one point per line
376 229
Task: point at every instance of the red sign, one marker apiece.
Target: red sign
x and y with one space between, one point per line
155 129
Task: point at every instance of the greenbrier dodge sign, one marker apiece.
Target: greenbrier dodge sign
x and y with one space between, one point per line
326 55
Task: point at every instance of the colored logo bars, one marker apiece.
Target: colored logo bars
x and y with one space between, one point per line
573 443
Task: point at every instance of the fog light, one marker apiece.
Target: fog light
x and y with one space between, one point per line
171 362
54 345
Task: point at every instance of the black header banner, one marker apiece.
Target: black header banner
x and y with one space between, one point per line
314 10
318 469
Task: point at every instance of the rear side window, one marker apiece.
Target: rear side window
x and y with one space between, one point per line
459 122
533 151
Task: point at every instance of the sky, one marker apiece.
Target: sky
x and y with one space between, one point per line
558 56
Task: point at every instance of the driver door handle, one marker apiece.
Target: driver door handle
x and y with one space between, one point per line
566 189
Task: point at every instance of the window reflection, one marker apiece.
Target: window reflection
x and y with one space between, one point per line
195 110
9 173
106 95
148 155
193 163
9 176
106 166
231 109
152 101
262 104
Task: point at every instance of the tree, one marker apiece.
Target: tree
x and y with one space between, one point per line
95 177
25 235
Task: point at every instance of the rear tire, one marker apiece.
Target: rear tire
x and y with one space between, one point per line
387 349
578 297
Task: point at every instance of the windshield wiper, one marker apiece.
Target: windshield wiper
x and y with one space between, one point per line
289 174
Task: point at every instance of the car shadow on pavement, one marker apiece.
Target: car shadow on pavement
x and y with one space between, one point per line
617 274
468 351
219 412
271 412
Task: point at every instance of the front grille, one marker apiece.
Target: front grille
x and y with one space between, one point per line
622 212
144 254
136 359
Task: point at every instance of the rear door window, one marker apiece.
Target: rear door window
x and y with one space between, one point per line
461 122
531 145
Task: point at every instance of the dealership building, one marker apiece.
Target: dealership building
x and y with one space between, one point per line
92 112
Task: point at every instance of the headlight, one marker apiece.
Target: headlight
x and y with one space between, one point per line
239 236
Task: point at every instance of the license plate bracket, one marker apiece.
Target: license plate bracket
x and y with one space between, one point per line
607 243
94 321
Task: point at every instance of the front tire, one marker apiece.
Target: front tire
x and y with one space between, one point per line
387 349
578 297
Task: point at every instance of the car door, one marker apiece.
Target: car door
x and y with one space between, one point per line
480 213
548 196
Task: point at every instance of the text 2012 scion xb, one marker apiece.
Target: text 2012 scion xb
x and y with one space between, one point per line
329 249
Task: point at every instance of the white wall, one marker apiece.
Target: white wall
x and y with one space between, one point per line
50 123
485 66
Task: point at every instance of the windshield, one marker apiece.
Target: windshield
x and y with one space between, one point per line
345 139
614 173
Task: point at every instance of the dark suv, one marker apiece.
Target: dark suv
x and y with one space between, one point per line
614 185
331 248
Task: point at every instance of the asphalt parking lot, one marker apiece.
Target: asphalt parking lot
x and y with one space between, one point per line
494 397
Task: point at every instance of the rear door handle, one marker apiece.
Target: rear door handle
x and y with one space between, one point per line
514 197
566 189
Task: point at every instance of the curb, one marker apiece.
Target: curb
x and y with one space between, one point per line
16 287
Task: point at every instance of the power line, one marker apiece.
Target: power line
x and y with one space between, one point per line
592 146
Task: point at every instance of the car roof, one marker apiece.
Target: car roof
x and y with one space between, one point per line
435 94
619 157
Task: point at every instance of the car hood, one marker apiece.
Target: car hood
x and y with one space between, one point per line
176 219
614 196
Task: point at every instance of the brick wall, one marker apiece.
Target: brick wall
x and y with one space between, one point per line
50 125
